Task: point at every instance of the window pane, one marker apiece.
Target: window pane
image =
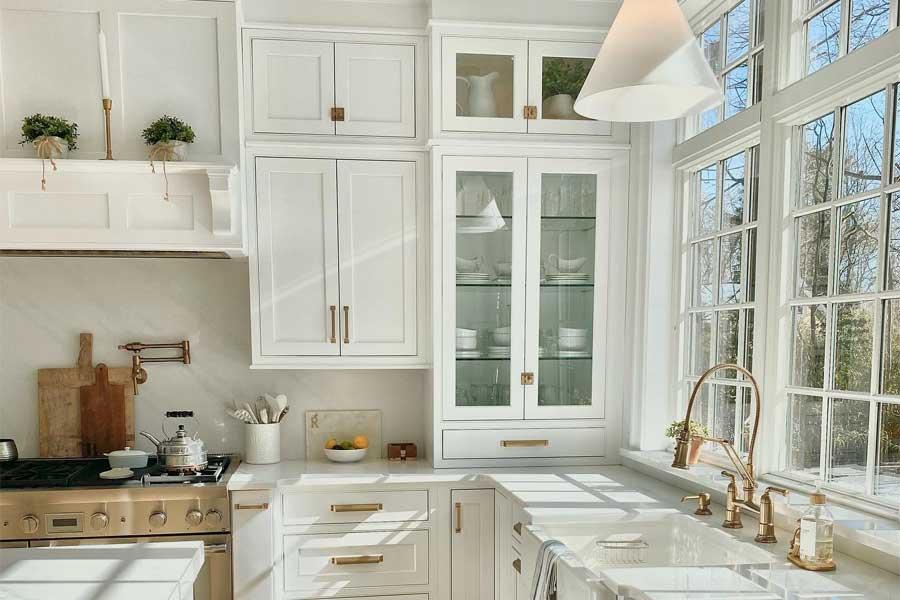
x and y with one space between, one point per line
863 145
805 443
858 247
733 191
747 418
816 161
748 339
727 344
853 346
706 199
890 350
813 242
704 269
702 411
726 402
754 183
751 265
822 35
701 342
808 352
758 67
760 28
730 268
896 161
849 442
710 117
887 469
711 43
737 38
869 19
736 90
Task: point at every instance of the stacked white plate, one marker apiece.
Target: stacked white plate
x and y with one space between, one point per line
567 278
469 354
498 351
573 353
473 277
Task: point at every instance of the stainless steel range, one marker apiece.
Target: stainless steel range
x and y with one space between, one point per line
64 502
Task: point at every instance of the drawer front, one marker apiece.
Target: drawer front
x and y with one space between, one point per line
322 508
524 443
355 560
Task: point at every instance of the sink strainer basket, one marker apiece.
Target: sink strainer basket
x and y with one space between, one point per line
622 552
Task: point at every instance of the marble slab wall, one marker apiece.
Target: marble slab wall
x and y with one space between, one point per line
46 302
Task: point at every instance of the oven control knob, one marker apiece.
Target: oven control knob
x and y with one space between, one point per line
99 521
193 517
157 519
213 517
30 524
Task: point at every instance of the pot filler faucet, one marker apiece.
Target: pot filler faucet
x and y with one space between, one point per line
734 502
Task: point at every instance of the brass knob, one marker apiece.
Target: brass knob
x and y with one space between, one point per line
213 517
29 524
99 521
157 519
193 517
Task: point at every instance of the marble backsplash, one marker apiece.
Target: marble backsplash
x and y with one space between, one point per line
46 302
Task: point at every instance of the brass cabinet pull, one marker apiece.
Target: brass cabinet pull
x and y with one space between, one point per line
337 113
262 506
517 565
524 443
530 112
527 378
346 324
333 310
340 508
361 559
215 548
518 528
458 508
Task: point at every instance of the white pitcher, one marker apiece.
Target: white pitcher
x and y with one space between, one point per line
481 94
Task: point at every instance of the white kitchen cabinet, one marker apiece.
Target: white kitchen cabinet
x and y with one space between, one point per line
252 545
333 88
472 560
337 257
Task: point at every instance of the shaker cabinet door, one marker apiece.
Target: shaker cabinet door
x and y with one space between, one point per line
375 85
472 545
377 216
296 203
293 86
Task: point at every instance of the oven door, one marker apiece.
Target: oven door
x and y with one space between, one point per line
213 581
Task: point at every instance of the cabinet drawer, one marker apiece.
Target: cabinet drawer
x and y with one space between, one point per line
524 443
355 560
318 508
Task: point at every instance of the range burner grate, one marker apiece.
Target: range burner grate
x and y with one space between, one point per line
42 473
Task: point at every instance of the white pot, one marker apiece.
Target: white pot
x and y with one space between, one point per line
560 106
128 458
56 148
172 151
574 342
262 443
346 456
466 343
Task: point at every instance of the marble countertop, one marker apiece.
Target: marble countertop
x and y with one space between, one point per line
143 571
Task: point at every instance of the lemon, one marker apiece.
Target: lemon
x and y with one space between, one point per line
360 442
330 443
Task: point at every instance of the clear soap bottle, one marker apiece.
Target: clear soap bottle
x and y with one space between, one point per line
817 532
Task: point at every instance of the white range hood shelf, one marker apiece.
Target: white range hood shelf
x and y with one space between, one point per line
99 206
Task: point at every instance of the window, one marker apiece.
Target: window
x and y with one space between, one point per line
844 372
733 45
721 255
828 37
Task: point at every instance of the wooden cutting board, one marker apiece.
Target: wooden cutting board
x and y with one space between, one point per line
60 408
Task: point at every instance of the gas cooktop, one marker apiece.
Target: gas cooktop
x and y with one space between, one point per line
85 472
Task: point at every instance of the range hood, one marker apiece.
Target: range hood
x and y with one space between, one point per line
119 208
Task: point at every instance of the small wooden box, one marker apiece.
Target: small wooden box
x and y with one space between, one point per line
401 451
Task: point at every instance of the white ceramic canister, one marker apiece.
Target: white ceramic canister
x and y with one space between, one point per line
262 443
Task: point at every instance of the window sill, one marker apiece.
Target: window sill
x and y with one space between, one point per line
864 535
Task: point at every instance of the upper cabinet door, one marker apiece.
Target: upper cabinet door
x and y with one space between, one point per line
483 84
293 86
556 72
375 85
377 215
296 204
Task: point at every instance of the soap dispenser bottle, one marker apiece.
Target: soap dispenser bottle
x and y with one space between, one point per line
815 547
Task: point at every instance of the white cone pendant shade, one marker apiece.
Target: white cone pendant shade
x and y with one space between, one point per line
650 68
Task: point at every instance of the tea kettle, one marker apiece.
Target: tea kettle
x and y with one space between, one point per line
181 452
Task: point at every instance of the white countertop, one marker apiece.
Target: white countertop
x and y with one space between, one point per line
143 571
568 495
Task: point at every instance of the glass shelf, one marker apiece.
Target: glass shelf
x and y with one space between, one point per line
482 358
483 285
567 285
566 358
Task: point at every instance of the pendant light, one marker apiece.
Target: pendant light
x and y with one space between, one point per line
650 68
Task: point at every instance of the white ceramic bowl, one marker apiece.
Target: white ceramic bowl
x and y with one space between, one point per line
572 332
468 265
346 456
466 333
501 337
503 269
129 458
572 342
466 343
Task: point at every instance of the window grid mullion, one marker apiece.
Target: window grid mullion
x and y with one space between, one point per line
825 439
871 448
812 13
844 40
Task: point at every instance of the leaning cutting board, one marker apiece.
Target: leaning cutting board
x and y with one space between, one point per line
60 411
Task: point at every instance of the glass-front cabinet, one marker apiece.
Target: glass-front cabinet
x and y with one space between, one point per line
524 250
515 86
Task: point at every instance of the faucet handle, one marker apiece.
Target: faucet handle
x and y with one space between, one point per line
702 503
729 475
777 490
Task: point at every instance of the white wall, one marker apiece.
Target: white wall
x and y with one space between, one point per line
46 302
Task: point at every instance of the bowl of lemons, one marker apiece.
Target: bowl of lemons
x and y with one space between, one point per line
347 451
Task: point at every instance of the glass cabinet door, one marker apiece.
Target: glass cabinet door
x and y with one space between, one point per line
484 287
484 84
557 71
567 271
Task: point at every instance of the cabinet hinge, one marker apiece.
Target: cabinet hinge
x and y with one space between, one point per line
527 378
337 114
530 112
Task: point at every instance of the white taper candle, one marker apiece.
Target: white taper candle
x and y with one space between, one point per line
104 66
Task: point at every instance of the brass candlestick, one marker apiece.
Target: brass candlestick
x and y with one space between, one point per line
107 110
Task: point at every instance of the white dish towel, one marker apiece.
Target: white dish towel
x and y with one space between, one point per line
543 585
